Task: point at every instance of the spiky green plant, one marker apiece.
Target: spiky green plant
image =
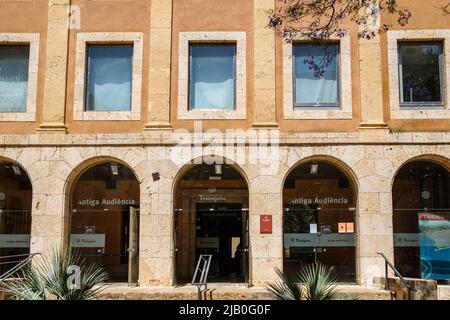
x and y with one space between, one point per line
50 277
286 288
318 282
314 282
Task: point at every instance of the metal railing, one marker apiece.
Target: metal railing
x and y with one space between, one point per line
387 264
18 263
200 277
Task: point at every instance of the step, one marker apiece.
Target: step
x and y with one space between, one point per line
443 292
225 292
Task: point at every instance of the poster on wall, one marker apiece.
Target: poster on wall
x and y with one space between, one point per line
434 245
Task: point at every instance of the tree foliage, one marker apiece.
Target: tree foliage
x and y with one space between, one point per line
322 19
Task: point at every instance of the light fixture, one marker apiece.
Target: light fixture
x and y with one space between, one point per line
314 167
218 169
16 169
114 169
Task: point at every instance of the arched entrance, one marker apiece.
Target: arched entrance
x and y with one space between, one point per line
319 202
104 220
421 220
211 217
15 214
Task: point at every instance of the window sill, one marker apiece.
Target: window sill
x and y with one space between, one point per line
211 114
420 112
108 116
318 113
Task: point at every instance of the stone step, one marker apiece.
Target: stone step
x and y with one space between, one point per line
225 292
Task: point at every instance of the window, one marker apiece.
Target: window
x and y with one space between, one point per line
14 64
109 78
420 73
212 77
313 88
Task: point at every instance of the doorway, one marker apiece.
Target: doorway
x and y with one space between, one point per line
211 217
220 232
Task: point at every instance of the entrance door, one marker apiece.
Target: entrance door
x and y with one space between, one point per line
221 230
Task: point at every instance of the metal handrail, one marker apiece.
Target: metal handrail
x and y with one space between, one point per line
202 270
396 272
18 266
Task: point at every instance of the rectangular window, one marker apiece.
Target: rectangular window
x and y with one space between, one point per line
109 78
420 73
14 62
212 76
316 75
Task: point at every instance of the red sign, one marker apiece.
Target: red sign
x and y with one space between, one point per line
265 223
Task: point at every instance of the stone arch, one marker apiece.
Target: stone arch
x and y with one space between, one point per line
419 191
124 216
192 163
350 173
347 213
195 204
16 206
437 159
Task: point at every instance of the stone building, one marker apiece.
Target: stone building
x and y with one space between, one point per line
147 132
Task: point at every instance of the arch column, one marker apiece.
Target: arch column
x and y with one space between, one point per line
266 250
375 230
49 221
156 251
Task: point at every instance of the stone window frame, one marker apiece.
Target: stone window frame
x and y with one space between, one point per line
105 38
424 112
185 39
31 39
345 109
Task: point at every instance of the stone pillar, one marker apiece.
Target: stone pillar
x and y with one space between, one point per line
370 82
49 222
53 114
264 66
158 117
156 249
266 250
374 223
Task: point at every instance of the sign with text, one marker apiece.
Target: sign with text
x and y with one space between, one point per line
406 239
87 240
208 242
265 223
315 240
14 240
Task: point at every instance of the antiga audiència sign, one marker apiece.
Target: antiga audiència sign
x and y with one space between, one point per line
317 200
106 202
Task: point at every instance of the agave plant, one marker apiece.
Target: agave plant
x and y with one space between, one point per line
52 277
314 282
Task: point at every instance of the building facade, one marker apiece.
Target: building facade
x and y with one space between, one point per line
147 132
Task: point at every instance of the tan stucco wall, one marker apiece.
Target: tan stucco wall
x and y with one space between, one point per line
425 15
26 17
116 16
231 15
189 15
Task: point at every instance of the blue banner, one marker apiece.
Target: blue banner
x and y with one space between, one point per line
435 245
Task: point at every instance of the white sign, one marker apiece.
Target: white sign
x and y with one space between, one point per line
313 228
14 240
87 240
317 200
212 242
106 202
406 240
314 240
